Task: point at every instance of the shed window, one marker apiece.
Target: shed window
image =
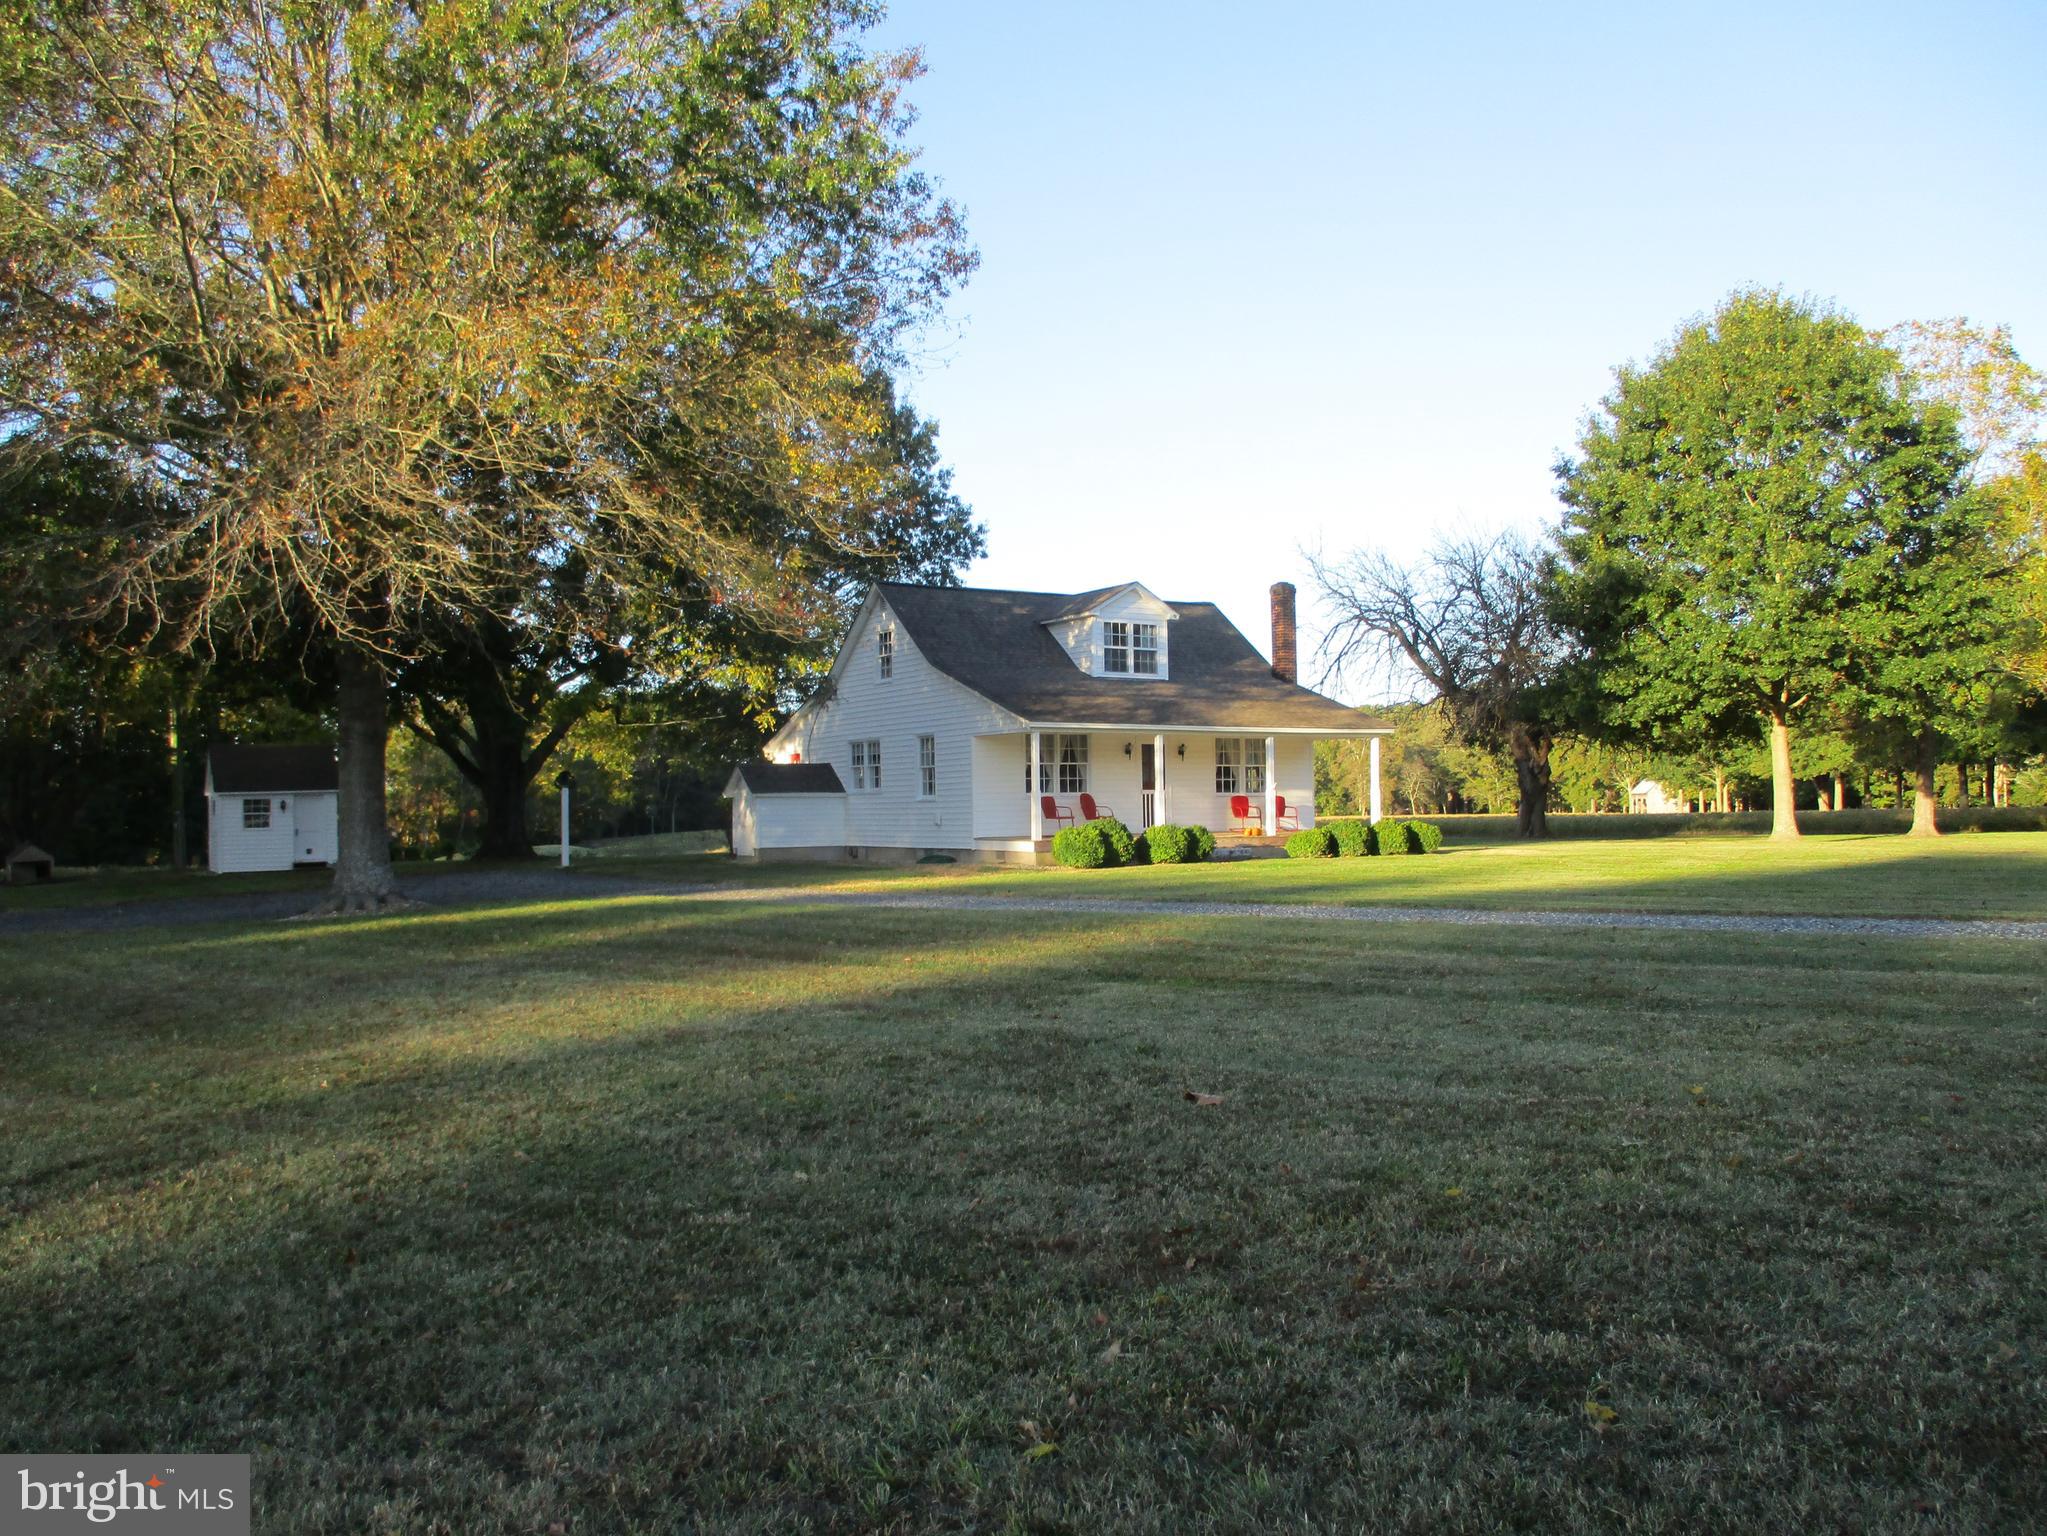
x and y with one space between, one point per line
255 814
1240 765
927 767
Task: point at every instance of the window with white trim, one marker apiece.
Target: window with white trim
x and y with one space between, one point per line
885 648
1144 649
1115 646
1240 765
866 765
1062 762
255 815
927 767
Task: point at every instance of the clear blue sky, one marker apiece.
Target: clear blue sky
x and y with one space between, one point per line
1258 279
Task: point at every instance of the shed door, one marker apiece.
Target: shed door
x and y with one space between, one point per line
314 829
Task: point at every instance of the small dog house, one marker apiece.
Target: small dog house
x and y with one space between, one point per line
271 807
28 863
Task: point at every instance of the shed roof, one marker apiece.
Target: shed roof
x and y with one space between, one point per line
762 777
304 769
995 643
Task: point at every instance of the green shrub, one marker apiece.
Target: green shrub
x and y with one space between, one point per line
1200 845
1311 843
1428 837
1122 846
1353 838
1082 847
1168 844
1392 837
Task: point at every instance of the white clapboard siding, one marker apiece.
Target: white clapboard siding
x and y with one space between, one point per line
298 820
914 700
786 821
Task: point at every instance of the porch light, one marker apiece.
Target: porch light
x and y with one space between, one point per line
1126 749
1183 749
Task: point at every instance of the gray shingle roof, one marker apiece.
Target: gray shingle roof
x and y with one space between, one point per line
995 643
765 778
272 770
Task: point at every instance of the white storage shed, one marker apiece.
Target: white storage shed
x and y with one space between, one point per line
787 810
271 808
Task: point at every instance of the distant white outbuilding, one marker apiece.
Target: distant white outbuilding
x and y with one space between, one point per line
271 808
787 810
1651 797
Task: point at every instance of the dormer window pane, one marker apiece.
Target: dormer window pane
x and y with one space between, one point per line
1116 647
1144 649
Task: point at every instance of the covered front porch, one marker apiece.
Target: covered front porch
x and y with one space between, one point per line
1242 784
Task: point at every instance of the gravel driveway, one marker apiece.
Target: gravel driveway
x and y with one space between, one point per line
493 885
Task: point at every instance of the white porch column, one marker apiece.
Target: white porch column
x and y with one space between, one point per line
1158 759
1375 779
1271 786
1037 778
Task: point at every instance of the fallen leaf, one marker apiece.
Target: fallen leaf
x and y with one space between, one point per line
1600 1414
1114 1351
1455 1192
1041 1450
1204 1100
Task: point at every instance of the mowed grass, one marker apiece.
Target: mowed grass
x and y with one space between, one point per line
644 1215
1970 875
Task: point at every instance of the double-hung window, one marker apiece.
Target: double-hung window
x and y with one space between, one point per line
1116 646
1240 765
1144 649
866 765
1062 765
255 815
885 649
927 767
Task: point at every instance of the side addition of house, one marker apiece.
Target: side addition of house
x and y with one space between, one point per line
976 723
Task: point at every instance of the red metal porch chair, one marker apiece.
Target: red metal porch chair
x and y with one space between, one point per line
1053 812
1242 813
1089 811
1282 818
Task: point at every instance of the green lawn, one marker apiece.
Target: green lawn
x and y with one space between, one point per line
642 1215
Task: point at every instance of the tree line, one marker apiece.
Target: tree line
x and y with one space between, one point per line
1790 550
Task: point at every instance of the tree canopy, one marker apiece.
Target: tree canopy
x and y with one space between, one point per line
1762 512
388 307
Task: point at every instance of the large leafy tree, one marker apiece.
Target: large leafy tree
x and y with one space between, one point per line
389 306
1753 518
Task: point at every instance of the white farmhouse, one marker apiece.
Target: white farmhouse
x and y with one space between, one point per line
976 723
270 807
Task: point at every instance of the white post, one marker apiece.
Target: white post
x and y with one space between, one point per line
1158 778
1037 783
1271 787
565 824
1375 780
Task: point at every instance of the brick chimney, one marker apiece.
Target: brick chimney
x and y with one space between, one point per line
1285 649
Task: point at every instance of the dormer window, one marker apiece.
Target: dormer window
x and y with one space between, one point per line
1144 649
885 648
1130 650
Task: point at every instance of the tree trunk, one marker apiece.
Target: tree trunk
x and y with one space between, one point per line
179 851
1530 746
1824 796
503 783
1720 791
1783 787
363 881
1840 791
1925 802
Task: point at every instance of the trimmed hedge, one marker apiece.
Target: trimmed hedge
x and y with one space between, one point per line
1353 838
1392 837
1203 844
1428 837
1082 847
1311 843
1122 846
1168 844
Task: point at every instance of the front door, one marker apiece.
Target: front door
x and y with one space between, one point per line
1150 798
